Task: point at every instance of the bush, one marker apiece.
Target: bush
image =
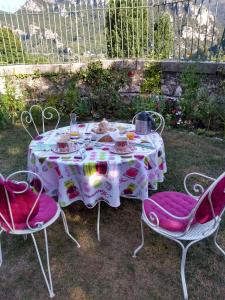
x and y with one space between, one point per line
10 105
103 86
11 50
152 79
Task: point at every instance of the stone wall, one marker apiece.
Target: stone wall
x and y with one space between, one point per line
24 77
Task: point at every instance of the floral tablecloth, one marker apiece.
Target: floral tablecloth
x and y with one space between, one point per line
100 175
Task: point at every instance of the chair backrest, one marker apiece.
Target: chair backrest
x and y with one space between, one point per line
27 118
18 203
212 203
160 122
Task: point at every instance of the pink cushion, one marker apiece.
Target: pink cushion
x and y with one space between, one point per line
21 204
47 210
178 204
204 212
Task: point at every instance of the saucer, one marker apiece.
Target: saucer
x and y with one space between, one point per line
129 150
72 148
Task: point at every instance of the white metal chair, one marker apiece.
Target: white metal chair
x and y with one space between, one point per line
46 114
186 218
47 212
158 119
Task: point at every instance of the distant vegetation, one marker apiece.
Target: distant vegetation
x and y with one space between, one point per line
87 30
11 50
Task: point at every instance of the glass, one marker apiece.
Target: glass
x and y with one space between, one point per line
74 132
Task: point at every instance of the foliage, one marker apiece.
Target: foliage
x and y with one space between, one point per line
200 54
218 108
126 28
11 50
103 87
72 102
163 37
201 131
36 59
152 79
190 82
143 104
202 108
171 110
210 133
11 105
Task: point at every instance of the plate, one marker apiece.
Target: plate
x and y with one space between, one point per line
72 148
114 151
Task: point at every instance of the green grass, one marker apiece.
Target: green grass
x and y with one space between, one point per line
106 270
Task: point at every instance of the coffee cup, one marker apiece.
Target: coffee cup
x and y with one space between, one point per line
63 143
63 146
121 144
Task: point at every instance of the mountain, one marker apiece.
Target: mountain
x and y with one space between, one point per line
38 5
62 29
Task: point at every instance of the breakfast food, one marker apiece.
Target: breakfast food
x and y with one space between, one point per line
104 133
106 139
103 127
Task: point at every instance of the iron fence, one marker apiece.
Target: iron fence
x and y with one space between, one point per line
86 30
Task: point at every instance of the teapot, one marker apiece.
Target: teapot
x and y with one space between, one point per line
144 123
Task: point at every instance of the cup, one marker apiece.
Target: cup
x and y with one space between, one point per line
63 144
121 144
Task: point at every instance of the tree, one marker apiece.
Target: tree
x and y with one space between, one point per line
127 28
163 37
11 50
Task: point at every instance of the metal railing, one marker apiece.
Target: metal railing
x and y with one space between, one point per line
85 30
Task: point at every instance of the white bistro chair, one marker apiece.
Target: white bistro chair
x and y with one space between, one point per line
159 120
186 218
27 118
24 211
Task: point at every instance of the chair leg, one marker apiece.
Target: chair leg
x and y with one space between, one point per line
216 244
67 228
0 249
142 241
183 264
182 271
48 280
98 221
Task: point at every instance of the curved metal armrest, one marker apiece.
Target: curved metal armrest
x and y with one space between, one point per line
197 188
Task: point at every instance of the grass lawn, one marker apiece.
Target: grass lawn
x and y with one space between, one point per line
106 269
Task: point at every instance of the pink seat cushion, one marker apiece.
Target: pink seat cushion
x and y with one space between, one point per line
47 210
178 204
21 204
204 212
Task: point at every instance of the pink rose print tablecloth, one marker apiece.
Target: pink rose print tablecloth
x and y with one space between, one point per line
100 174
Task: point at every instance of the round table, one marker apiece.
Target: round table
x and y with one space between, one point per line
100 175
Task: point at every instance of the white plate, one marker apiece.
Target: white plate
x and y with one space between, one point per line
73 148
114 151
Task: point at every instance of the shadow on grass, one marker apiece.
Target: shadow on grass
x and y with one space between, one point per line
106 269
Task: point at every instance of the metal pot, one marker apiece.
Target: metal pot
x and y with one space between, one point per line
144 123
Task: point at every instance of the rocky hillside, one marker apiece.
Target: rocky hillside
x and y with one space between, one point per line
52 28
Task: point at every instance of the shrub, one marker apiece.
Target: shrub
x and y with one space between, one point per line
126 35
152 79
103 87
11 50
11 105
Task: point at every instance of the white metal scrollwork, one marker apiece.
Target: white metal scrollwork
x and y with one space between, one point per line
46 114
